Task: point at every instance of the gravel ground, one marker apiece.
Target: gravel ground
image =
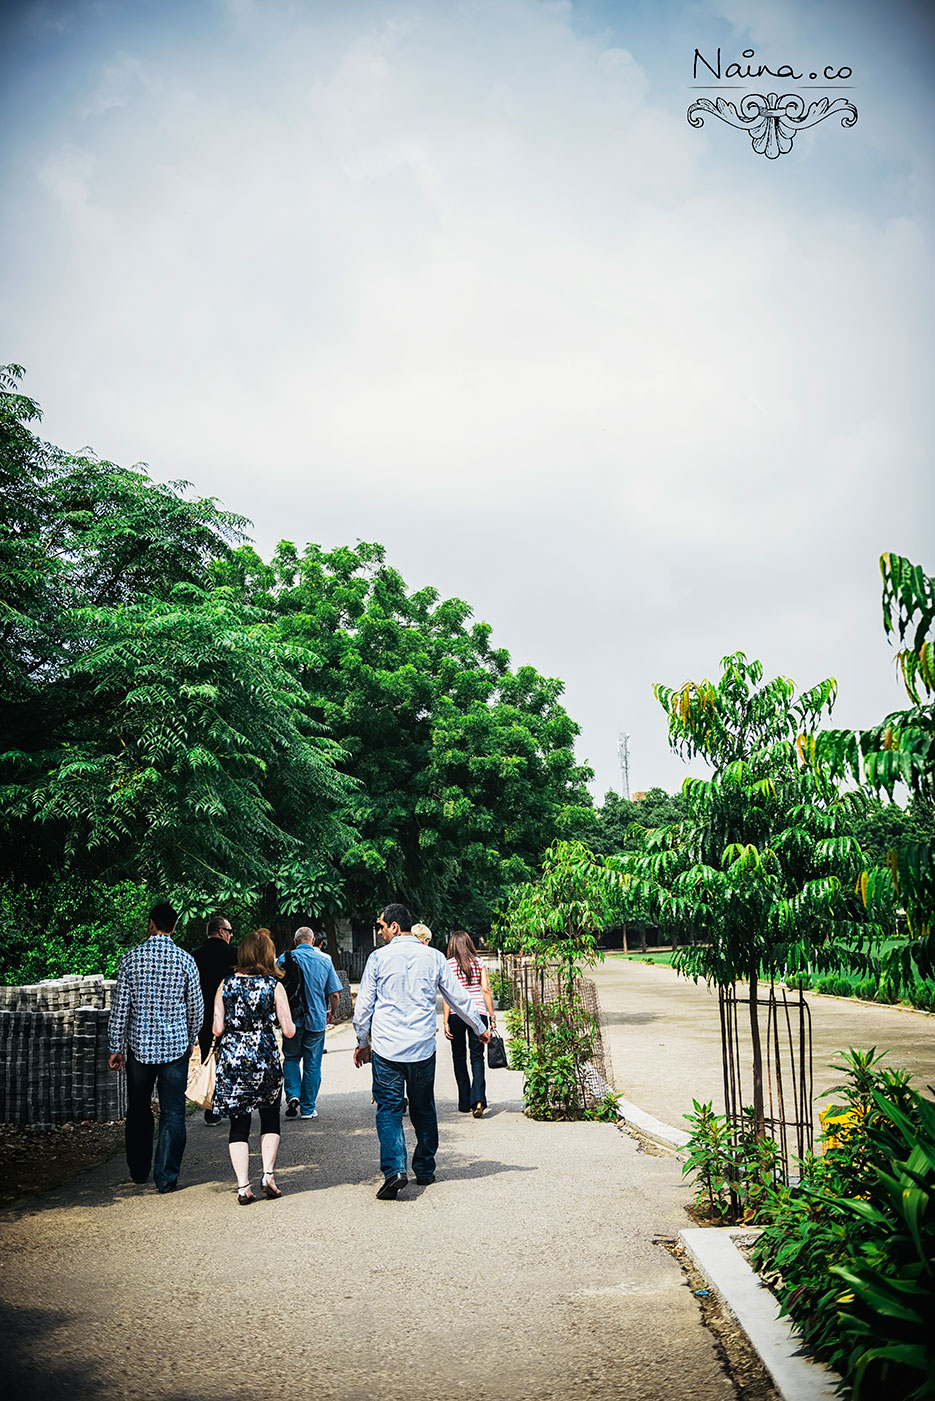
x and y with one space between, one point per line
534 1268
35 1160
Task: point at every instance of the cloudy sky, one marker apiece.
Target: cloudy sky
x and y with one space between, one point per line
461 278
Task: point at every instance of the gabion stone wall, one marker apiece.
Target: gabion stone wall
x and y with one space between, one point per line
53 1054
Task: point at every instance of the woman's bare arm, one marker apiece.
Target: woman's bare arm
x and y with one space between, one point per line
283 1012
218 1027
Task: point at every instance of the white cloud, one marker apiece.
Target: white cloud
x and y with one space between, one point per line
450 273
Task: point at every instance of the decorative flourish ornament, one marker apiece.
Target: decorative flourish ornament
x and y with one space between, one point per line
772 121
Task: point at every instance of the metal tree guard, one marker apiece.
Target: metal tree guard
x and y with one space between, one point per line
788 1083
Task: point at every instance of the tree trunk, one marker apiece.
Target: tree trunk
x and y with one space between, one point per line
759 1119
332 935
643 938
626 948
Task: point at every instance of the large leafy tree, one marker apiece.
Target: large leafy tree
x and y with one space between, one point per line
622 823
763 867
190 766
899 753
464 768
153 725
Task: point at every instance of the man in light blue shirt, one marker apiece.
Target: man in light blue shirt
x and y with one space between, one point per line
395 1022
301 1054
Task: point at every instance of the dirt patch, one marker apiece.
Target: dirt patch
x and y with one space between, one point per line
36 1160
751 1380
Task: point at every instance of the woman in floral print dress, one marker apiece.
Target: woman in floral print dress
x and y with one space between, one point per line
249 1072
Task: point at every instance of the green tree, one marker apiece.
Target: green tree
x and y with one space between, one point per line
556 919
464 768
763 866
623 822
900 752
190 766
154 730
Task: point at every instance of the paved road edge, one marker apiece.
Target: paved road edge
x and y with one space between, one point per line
796 1376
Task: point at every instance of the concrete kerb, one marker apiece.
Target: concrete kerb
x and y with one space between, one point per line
796 1376
714 1251
637 1118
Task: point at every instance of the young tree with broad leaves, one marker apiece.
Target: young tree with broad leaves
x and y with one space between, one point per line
763 866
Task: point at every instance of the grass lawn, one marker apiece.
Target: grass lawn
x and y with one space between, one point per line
650 956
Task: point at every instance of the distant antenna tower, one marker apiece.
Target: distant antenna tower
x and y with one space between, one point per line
623 758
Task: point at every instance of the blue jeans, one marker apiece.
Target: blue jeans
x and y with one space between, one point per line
301 1067
393 1080
170 1079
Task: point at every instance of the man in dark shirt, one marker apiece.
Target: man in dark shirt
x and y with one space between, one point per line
216 961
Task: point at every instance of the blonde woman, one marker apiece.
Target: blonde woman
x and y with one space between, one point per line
422 933
249 1073
472 975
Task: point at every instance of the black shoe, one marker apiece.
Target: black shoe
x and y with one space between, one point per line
292 1108
211 1117
425 1181
169 1187
391 1186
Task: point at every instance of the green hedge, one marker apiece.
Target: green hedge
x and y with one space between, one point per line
920 994
68 926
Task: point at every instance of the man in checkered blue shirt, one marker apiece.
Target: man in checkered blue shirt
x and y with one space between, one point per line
155 1019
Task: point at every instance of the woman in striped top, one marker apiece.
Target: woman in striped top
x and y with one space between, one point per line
472 975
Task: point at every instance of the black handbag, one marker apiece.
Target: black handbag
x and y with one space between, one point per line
496 1052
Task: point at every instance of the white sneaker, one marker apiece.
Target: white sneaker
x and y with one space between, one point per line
313 1115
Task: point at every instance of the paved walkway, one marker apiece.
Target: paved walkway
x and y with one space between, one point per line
528 1272
665 1044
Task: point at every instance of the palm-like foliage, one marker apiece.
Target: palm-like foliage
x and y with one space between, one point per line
900 751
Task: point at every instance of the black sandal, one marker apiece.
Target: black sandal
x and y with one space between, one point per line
242 1198
268 1184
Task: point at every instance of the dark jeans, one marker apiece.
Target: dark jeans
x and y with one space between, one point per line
472 1089
393 1081
170 1079
205 1037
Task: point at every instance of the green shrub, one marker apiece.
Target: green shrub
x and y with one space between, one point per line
734 1175
866 989
843 987
922 995
516 1039
563 1042
851 1249
69 925
607 1112
825 982
501 989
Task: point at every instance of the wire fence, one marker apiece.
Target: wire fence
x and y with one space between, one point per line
544 997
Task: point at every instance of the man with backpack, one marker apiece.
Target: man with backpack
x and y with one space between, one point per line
313 989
